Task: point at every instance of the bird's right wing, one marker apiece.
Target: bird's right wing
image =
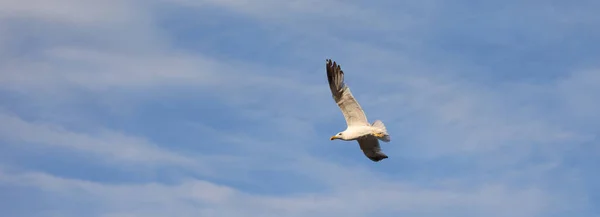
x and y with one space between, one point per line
370 147
352 111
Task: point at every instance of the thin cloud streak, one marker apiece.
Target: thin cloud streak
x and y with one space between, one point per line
196 196
108 145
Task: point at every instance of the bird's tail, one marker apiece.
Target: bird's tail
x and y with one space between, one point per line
381 129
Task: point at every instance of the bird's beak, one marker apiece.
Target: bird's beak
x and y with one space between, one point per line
333 137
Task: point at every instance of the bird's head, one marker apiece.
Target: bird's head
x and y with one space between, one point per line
337 136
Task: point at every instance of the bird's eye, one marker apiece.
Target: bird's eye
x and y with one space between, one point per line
340 134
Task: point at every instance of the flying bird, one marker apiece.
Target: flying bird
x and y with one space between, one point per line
358 127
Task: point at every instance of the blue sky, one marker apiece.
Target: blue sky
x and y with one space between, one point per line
124 108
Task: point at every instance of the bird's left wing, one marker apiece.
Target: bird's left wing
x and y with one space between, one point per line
370 147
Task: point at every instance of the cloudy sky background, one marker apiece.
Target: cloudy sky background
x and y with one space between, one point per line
123 108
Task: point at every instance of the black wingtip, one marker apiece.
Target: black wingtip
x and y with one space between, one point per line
379 157
330 63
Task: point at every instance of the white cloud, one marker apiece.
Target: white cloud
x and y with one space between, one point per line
107 144
70 11
307 13
105 70
196 197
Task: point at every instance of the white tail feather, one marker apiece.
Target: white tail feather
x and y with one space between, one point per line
379 125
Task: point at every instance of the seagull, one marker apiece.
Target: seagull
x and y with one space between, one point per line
358 127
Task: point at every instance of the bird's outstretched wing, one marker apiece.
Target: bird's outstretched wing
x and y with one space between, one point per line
352 111
370 146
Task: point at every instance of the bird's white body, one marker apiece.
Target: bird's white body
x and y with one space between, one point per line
357 132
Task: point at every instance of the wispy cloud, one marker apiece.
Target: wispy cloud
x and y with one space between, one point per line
69 11
107 144
197 197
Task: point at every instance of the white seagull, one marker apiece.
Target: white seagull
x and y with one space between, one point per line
358 127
